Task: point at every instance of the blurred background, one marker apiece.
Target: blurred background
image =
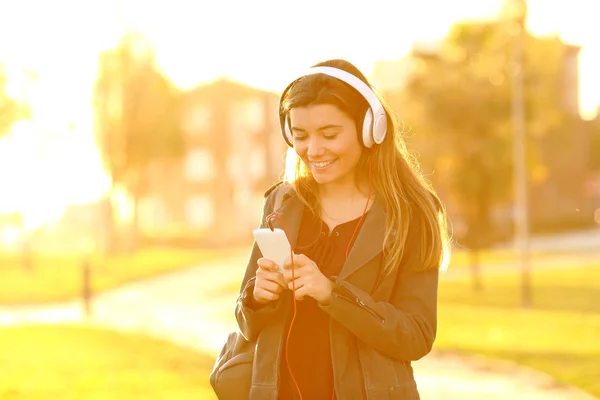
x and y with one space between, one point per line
137 139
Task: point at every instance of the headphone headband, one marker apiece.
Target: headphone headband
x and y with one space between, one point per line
375 121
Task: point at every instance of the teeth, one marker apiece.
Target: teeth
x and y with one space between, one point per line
322 164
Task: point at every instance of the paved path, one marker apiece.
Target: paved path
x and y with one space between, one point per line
185 307
570 241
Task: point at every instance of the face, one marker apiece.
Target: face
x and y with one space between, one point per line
326 140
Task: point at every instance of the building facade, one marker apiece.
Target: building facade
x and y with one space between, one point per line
234 152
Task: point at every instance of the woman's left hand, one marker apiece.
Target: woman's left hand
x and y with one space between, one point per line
308 280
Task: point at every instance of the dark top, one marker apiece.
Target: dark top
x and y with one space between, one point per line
309 351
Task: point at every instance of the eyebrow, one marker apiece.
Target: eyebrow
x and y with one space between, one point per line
295 128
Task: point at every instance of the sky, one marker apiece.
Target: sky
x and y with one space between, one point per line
263 43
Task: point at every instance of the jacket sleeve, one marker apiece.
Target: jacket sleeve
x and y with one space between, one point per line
250 316
403 328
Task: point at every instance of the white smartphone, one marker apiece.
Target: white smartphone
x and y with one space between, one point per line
274 245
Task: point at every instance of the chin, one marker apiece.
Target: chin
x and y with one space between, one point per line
321 180
325 179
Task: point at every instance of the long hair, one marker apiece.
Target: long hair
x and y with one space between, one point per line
415 213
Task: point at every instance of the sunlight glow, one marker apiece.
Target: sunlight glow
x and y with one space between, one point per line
290 164
264 44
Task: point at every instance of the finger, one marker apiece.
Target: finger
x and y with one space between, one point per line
300 260
289 274
296 284
265 263
300 293
289 262
267 272
265 294
276 277
271 286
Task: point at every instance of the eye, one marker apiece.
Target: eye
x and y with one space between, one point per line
299 138
330 133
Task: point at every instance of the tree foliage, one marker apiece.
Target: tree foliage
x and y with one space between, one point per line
460 96
137 111
137 121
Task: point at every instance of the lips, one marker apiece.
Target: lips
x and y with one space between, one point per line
322 164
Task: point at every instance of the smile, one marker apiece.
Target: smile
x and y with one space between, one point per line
322 164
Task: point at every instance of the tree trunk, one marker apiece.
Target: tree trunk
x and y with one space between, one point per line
137 189
109 228
27 254
134 234
475 265
479 222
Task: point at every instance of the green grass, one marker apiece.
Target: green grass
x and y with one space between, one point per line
559 335
57 278
72 363
461 258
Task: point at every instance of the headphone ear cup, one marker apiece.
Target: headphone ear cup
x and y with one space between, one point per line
289 138
379 128
367 136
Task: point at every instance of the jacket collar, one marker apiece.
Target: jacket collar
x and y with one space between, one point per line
369 240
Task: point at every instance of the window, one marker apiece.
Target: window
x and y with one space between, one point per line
199 211
199 165
258 160
151 213
250 164
242 195
254 115
197 120
235 168
248 117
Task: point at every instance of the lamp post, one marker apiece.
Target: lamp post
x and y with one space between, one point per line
86 247
516 14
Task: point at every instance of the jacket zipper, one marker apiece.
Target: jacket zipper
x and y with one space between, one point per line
361 303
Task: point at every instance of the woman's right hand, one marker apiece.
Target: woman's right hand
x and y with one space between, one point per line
269 281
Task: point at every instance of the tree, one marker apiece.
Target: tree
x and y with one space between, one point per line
595 143
137 117
11 110
460 94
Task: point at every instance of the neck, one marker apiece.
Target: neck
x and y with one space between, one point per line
342 191
341 203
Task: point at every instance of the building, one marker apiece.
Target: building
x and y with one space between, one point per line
234 152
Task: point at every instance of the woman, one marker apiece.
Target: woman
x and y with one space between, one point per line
358 302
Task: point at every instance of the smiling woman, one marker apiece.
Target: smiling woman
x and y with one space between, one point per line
363 308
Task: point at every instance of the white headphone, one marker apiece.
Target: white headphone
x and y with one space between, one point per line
374 122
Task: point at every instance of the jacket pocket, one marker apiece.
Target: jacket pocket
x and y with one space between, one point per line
407 392
397 392
386 378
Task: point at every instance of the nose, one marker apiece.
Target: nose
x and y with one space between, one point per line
315 148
